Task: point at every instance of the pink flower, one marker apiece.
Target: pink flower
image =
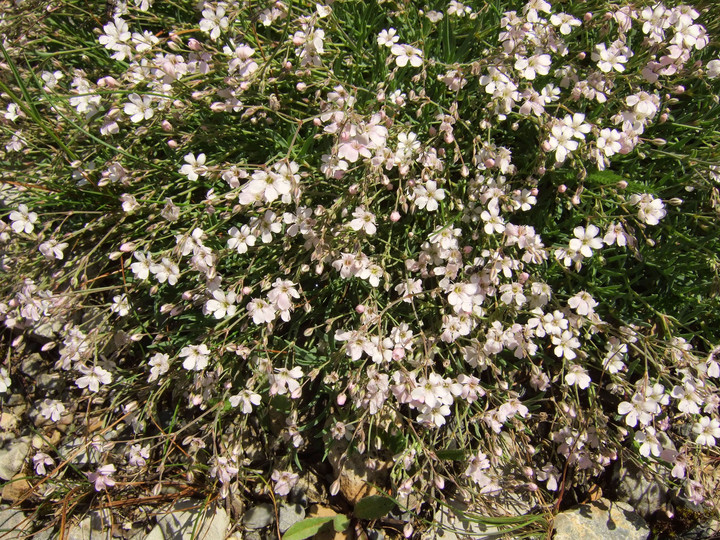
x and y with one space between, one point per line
284 482
101 477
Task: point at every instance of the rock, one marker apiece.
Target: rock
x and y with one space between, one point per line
13 524
155 534
358 475
32 365
96 526
308 490
47 330
49 383
46 533
258 534
259 516
601 520
8 421
288 515
639 489
80 452
184 517
12 458
17 489
452 526
711 529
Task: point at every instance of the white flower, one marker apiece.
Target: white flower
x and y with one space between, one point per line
159 365
120 305
707 431
282 292
407 53
616 235
609 142
194 167
141 268
565 345
51 409
214 21
561 140
4 380
222 304
52 249
428 196
23 220
586 240
246 398
529 68
387 37
266 184
494 222
609 59
564 21
166 271
285 380
582 303
51 79
650 209
260 311
93 378
364 220
577 375
129 203
284 482
649 443
145 41
713 69
139 108
196 357
116 31
240 239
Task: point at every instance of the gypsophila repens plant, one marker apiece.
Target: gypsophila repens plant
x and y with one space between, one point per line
476 242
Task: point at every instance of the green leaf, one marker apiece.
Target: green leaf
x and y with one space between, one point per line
452 454
341 522
309 527
604 177
373 507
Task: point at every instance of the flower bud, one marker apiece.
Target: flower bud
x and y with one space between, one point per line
341 399
395 217
562 188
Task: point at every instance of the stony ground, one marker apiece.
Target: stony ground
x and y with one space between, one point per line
633 504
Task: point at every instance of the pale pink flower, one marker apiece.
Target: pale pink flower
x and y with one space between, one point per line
101 477
196 357
93 378
364 220
406 53
284 482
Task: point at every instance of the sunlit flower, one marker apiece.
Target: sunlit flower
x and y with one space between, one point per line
407 53
93 378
